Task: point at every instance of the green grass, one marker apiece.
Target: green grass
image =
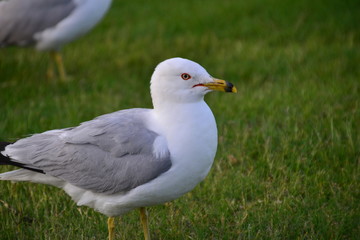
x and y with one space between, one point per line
287 165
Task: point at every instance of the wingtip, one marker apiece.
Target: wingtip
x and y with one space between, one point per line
3 145
4 160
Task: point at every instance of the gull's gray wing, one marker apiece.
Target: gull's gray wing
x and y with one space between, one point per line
21 19
112 153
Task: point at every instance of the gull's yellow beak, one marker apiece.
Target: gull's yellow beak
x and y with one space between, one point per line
221 85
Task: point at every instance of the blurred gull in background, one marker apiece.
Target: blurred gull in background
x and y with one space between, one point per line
48 24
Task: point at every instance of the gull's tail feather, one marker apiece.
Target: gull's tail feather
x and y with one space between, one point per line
24 175
17 175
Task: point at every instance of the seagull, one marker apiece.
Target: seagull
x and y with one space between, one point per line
48 24
131 158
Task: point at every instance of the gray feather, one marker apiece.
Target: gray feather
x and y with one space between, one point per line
21 19
112 153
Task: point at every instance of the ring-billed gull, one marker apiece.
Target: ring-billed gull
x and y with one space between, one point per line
130 158
48 24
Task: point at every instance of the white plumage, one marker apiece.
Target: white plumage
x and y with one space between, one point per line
86 14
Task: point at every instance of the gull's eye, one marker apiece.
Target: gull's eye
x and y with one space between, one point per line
185 76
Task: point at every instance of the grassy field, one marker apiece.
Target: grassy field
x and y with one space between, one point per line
287 165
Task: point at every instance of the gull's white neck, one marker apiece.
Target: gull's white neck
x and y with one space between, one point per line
177 118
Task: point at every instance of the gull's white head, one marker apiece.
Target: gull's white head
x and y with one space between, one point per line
182 80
